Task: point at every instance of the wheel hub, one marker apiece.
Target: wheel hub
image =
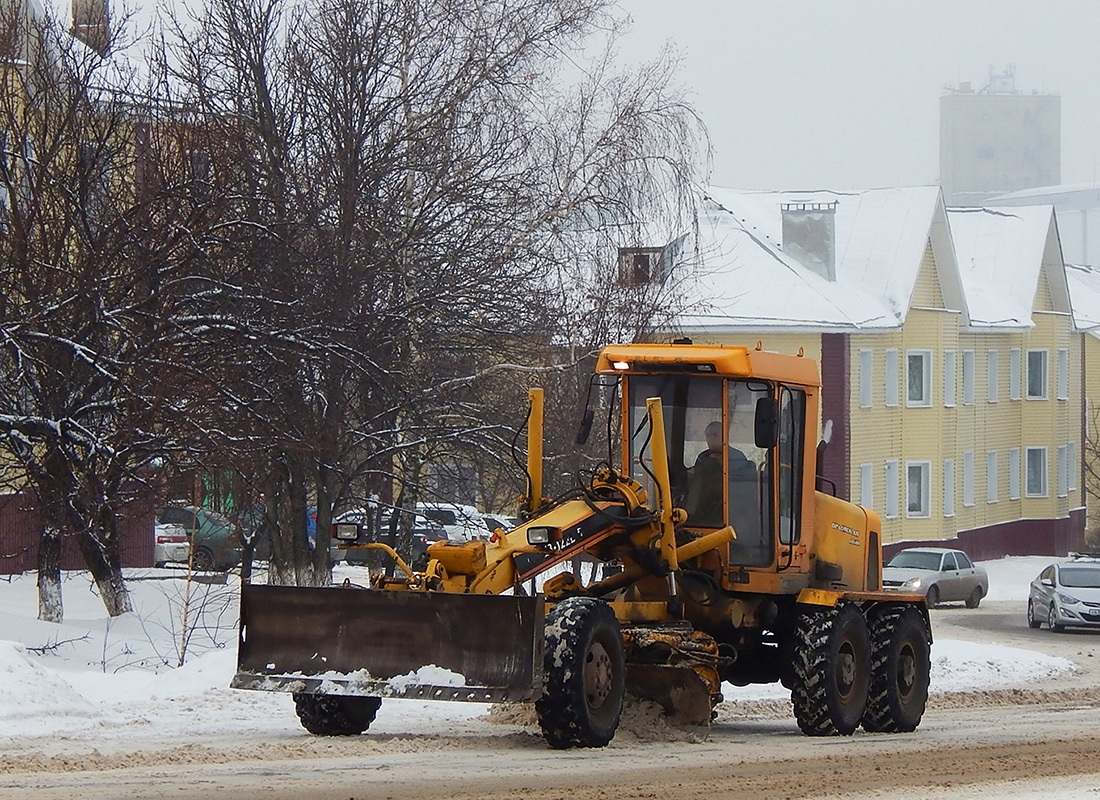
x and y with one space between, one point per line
845 669
597 675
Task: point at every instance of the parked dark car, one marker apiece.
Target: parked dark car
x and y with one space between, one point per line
215 541
374 529
1066 595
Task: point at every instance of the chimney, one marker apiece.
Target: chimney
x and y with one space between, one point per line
809 235
91 23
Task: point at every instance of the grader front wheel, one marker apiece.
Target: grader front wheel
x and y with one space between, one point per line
335 715
584 675
832 670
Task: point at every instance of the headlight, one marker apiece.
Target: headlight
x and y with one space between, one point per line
542 535
1067 598
913 583
346 531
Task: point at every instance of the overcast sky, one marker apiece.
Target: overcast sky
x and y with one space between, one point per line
845 94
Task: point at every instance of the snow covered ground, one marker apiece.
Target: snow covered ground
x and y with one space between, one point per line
123 678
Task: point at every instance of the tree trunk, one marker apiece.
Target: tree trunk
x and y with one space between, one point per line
106 569
50 606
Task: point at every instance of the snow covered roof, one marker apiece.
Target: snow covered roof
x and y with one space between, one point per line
745 279
1084 292
1000 254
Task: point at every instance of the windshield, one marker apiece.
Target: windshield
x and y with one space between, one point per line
714 465
915 560
1081 577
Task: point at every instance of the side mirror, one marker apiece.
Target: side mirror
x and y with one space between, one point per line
1047 582
586 426
766 430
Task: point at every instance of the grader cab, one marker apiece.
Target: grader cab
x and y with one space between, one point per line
726 563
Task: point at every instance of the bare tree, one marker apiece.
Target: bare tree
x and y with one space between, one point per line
415 199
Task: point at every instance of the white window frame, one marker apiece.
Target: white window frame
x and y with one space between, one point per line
949 487
1041 455
968 377
991 476
867 485
891 377
1014 374
1072 447
892 478
866 378
1045 361
925 357
1014 473
968 478
949 378
992 389
1063 470
924 471
1062 381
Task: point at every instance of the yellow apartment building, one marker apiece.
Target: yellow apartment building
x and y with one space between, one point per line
951 387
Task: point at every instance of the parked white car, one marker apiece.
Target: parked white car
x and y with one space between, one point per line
461 522
170 544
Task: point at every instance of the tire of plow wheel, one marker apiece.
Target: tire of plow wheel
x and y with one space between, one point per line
832 670
584 675
332 715
900 668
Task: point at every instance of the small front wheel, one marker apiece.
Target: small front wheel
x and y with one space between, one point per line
335 715
1052 619
975 597
933 596
1032 620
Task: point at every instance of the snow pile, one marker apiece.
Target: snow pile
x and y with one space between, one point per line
965 666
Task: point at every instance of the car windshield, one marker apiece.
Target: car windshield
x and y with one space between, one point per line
441 516
915 560
1081 577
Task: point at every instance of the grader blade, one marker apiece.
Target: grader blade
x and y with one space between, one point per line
685 697
426 645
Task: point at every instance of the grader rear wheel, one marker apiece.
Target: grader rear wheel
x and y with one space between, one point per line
900 665
832 670
333 715
584 676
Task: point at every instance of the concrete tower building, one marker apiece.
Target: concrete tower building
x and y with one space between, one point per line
997 140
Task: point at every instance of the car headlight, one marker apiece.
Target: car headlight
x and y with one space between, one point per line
913 583
1067 598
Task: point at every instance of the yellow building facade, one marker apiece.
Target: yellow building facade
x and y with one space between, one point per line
957 415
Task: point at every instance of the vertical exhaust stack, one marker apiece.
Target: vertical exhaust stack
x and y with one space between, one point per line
809 235
92 23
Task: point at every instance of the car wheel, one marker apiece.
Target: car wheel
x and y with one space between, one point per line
933 596
1032 620
975 597
202 560
1052 619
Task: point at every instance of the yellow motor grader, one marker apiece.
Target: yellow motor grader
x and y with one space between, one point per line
713 553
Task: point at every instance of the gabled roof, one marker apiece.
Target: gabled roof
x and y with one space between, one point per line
1084 292
744 278
1002 253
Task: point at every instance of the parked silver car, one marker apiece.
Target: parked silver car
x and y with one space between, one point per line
1066 595
938 573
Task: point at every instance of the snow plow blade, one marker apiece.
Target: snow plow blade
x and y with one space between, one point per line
366 642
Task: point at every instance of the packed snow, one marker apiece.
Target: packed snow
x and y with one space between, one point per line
166 666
